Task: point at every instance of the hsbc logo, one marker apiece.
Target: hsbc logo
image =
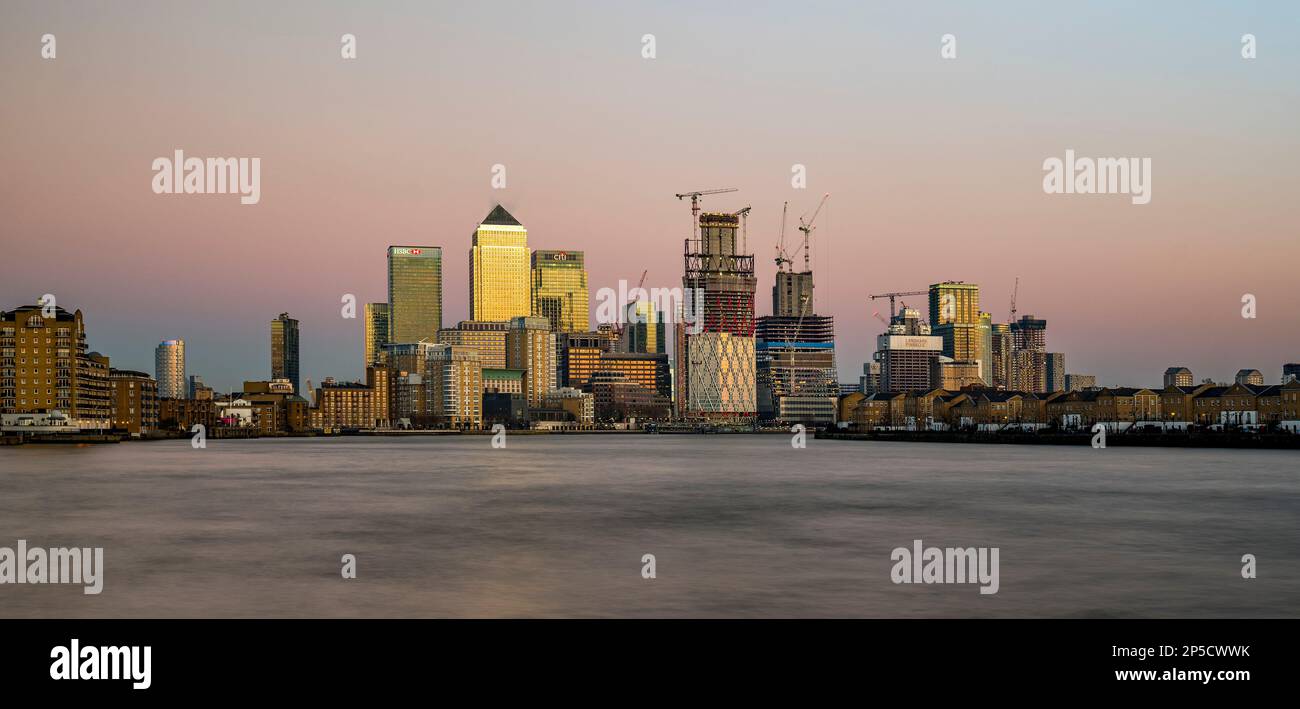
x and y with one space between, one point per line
406 251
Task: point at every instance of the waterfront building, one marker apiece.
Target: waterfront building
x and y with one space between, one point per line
285 350
45 368
647 369
275 405
579 404
489 338
716 358
559 290
499 269
169 369
184 414
135 401
455 386
530 346
795 369
618 398
414 293
352 405
375 332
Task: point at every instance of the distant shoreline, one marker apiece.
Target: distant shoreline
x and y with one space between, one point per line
1284 441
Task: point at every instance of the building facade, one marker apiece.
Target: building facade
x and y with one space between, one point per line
500 269
414 293
375 332
44 367
795 369
489 338
716 365
559 290
530 346
907 353
285 353
169 369
135 401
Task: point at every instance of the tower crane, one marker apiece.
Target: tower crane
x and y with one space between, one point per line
781 259
1014 293
744 228
807 229
695 205
892 296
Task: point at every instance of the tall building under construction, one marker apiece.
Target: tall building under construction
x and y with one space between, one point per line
795 356
715 350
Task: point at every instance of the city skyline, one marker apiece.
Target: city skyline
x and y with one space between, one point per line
945 185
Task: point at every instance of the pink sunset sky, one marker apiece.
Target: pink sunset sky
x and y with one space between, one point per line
934 166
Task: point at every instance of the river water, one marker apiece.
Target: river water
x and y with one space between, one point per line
739 526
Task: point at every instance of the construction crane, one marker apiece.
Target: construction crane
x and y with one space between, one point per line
892 296
781 259
695 206
744 228
807 228
1014 293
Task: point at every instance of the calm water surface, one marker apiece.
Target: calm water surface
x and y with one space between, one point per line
741 526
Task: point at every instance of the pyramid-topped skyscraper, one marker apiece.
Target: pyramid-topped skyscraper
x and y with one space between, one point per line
500 269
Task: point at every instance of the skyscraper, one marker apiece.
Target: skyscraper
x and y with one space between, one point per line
499 269
644 331
907 353
1055 373
414 293
284 350
715 360
1029 356
792 293
169 369
1001 347
559 290
955 317
376 331
530 345
795 356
